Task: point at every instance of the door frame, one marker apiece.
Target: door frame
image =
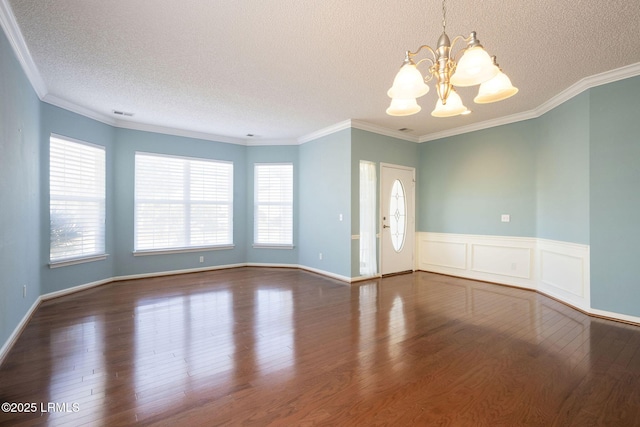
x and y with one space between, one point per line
411 215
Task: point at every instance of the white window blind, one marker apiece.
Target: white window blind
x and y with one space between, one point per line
182 203
273 207
76 199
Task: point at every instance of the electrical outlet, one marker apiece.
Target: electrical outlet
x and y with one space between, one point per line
505 218
320 255
24 291
201 259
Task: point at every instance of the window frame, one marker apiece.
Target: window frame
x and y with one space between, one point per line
99 224
262 243
186 203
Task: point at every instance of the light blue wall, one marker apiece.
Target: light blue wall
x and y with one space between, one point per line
615 196
272 154
127 143
378 149
468 181
570 175
325 193
537 171
562 172
62 122
19 192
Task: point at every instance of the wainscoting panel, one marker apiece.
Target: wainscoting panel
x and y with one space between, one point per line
557 269
502 260
564 272
445 254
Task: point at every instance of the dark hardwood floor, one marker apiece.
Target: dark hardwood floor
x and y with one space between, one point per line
258 346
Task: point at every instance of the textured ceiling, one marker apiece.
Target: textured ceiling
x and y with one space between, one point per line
283 69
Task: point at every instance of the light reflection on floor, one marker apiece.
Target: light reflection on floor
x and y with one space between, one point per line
212 341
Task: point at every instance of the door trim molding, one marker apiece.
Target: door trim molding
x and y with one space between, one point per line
411 226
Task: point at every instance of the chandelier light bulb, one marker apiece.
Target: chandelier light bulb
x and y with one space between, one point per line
403 107
408 83
475 67
453 107
496 89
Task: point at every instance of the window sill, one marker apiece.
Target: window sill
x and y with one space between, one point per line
181 250
271 246
73 261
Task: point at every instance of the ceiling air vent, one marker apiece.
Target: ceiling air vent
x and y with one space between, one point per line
405 130
122 113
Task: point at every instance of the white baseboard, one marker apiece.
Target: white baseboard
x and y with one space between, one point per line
174 272
271 265
73 290
304 267
18 330
327 274
618 316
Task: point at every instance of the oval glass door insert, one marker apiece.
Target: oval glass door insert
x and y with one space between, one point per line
397 215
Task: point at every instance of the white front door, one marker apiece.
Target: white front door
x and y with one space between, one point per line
397 206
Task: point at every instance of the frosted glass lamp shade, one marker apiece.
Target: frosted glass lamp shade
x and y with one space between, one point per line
496 89
474 67
403 107
453 107
408 83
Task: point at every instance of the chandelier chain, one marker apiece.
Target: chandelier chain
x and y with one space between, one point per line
444 17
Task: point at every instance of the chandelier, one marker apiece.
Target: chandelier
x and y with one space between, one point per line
474 67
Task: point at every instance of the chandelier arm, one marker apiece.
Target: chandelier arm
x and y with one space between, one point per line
429 76
426 47
431 60
425 59
456 56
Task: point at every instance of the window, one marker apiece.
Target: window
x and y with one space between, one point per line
397 215
368 221
182 203
273 208
76 200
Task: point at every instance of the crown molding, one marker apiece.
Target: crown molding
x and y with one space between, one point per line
564 96
325 131
572 91
587 83
19 46
78 109
269 142
147 127
478 126
357 124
